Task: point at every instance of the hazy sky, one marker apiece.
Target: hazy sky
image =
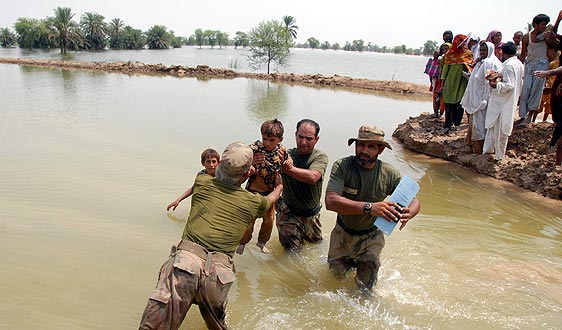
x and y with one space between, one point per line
386 22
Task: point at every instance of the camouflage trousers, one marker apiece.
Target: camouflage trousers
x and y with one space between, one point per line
356 251
294 230
191 275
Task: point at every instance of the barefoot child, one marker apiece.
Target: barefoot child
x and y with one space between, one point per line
210 159
269 156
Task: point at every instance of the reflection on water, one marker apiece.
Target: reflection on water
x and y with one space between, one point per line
266 100
89 161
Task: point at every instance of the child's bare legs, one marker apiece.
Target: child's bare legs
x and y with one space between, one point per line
266 229
246 238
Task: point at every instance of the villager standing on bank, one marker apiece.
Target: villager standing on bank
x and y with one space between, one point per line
495 37
536 53
432 70
457 60
475 99
556 97
503 102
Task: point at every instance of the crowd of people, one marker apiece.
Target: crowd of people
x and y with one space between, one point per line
282 182
494 82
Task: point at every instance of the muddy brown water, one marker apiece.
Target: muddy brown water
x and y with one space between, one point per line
88 162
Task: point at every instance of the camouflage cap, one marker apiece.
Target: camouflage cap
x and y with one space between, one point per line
236 159
369 133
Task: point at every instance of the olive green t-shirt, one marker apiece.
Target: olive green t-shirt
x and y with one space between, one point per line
301 195
357 183
220 214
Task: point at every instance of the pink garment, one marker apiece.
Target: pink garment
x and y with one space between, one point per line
497 46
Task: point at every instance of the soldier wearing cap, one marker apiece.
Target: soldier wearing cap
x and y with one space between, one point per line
356 191
200 269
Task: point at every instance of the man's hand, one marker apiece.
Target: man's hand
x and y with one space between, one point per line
405 217
540 74
259 158
287 164
388 210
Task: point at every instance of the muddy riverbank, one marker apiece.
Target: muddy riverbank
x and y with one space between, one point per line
528 163
335 81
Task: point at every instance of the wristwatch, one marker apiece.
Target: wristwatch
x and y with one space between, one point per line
367 208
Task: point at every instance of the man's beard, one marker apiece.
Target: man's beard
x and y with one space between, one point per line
364 159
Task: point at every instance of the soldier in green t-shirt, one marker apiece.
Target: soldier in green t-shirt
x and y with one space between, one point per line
298 212
200 269
356 191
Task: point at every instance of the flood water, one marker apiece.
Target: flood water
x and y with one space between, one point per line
368 65
89 161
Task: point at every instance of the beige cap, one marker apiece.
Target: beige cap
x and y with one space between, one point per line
236 159
369 133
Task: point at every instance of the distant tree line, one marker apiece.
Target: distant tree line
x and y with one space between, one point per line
93 32
360 46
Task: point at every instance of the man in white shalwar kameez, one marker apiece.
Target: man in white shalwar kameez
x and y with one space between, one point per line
503 102
475 99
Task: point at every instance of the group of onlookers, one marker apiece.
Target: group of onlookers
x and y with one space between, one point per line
492 81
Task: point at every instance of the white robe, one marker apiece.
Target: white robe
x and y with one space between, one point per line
501 107
477 93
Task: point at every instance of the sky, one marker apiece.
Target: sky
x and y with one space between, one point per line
385 23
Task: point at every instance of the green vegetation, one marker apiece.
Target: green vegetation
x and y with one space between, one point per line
429 47
290 24
269 44
158 38
95 30
7 38
68 34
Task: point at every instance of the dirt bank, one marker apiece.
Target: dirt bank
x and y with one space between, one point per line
392 87
528 163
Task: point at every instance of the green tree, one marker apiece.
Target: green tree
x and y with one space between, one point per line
199 37
211 37
400 49
68 34
158 38
325 45
28 32
94 29
336 46
222 38
358 45
312 43
268 44
7 38
115 32
241 39
290 24
133 38
429 47
176 41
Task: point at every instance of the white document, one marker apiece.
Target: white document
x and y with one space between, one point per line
403 195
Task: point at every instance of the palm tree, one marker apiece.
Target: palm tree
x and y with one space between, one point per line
115 33
290 27
94 29
66 29
158 38
7 38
